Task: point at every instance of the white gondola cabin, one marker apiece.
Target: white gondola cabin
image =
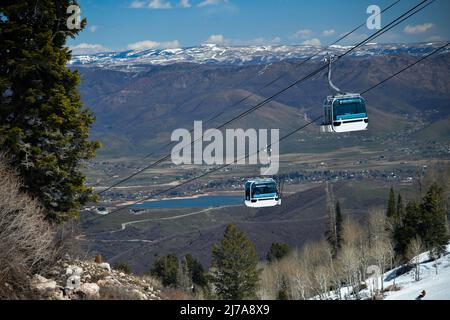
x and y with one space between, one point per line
101 211
344 113
262 193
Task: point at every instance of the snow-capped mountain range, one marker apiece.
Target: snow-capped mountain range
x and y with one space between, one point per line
214 54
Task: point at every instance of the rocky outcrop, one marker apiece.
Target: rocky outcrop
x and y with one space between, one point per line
88 291
44 287
84 280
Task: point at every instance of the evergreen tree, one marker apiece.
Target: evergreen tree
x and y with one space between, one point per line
400 215
413 226
391 209
122 267
330 235
234 266
396 226
277 251
43 125
334 233
166 268
196 271
427 221
434 215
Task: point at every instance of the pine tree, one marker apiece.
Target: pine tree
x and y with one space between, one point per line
166 268
427 221
331 232
196 271
234 266
413 226
43 125
391 209
334 233
400 215
122 267
396 226
436 235
277 251
330 235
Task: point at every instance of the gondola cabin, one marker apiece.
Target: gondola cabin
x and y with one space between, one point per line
262 193
344 113
101 211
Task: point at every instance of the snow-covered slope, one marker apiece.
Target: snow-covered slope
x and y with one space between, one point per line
214 54
437 285
435 281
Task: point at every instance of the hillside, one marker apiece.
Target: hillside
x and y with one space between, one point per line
138 110
400 283
436 285
301 219
436 131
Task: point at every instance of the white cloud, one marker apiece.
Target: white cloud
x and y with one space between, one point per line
262 41
184 4
137 4
166 4
87 48
143 45
420 28
151 4
93 29
216 39
148 45
206 3
221 40
435 39
302 34
312 42
328 33
170 44
159 4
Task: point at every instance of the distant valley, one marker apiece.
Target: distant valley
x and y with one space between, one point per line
137 111
138 104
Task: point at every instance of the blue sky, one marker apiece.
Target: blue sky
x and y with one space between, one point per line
118 25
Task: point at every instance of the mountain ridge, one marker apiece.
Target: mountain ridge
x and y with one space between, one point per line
245 55
140 109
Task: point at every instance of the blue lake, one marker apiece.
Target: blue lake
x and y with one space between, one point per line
201 202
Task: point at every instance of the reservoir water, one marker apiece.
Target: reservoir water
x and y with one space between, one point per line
200 202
